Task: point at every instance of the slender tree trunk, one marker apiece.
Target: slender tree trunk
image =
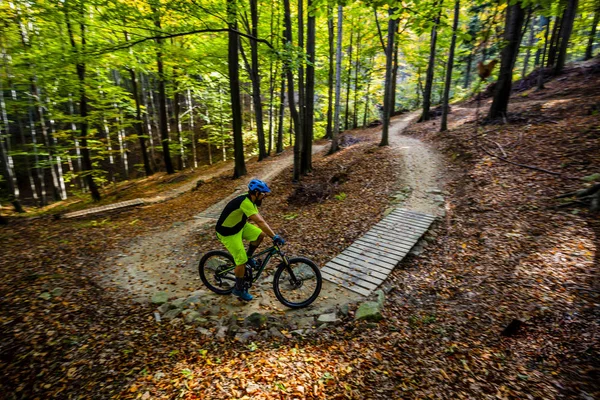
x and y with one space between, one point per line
567 28
255 76
193 129
122 144
540 82
357 68
330 37
515 15
553 49
148 118
310 91
177 119
59 166
234 89
299 168
162 97
444 124
348 80
389 54
6 158
338 83
82 182
83 109
288 40
272 75
394 73
590 46
138 126
430 68
529 45
368 93
468 71
281 113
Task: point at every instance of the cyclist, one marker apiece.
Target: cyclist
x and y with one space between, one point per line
232 227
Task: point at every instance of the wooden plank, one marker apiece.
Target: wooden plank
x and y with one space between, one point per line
403 223
395 241
345 259
371 248
406 231
399 218
396 237
338 281
372 275
370 254
413 213
353 279
356 276
388 242
370 259
412 217
381 245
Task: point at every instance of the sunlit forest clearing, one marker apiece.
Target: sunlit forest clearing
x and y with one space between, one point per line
484 115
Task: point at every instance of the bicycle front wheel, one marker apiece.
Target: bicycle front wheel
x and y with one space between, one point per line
297 284
216 270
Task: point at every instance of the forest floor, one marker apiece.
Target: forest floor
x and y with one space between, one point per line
503 251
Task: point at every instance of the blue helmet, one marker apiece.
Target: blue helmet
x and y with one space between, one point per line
260 186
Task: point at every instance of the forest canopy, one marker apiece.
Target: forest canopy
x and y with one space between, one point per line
97 92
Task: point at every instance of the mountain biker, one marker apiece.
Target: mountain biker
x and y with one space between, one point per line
232 227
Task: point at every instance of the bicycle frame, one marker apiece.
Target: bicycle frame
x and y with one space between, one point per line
270 252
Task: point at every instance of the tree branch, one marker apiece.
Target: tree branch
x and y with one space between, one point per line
379 30
174 35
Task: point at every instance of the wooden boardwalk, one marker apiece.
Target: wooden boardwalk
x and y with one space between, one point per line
365 264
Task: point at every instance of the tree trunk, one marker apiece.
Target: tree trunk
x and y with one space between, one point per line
6 158
299 168
394 73
540 82
356 70
448 83
330 37
59 166
148 117
234 89
515 15
193 129
288 40
590 46
177 119
138 126
281 112
83 109
255 77
468 71
553 49
310 91
162 99
529 45
388 78
430 68
368 94
338 84
567 28
348 80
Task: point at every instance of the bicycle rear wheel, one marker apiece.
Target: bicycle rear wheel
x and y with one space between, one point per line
297 284
216 270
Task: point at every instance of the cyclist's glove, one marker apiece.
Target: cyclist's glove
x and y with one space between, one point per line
278 240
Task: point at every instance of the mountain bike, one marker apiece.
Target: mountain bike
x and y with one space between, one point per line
297 281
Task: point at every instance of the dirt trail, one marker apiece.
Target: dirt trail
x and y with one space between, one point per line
168 260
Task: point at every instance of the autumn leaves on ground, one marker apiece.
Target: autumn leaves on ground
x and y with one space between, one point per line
506 251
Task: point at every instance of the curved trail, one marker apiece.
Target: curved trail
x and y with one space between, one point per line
169 259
